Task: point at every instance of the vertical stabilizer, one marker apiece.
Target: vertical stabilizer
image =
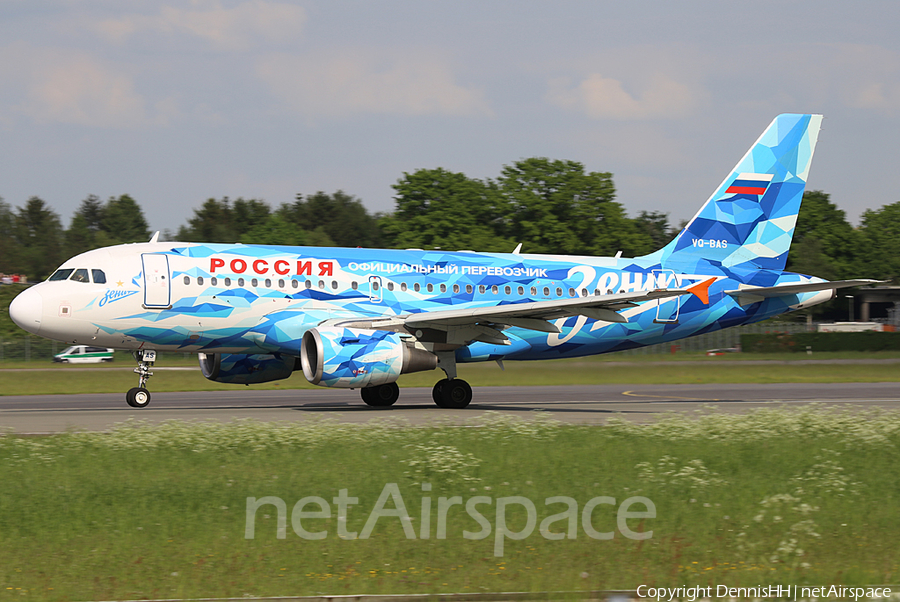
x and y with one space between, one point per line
749 220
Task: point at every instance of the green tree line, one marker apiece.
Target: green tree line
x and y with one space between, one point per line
550 206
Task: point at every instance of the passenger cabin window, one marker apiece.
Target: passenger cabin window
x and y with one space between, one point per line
455 288
521 290
443 288
214 281
481 289
254 282
469 288
80 275
240 282
390 286
61 274
187 279
403 286
430 288
417 287
99 276
268 283
228 282
200 280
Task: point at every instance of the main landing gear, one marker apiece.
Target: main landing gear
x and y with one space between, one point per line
450 393
139 397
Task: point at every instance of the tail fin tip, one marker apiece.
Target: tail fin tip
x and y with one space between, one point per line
750 218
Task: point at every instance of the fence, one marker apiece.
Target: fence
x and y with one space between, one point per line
720 339
29 348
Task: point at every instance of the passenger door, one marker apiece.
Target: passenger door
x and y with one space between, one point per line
157 281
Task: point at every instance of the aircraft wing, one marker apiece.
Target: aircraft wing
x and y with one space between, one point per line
532 316
485 324
747 295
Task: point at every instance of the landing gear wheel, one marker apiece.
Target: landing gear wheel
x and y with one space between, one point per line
138 397
456 394
380 396
437 392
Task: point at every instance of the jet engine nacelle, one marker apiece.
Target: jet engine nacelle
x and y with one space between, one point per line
353 358
246 369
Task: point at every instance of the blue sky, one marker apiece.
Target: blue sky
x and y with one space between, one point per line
174 102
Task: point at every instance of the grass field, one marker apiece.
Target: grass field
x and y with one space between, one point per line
29 378
776 496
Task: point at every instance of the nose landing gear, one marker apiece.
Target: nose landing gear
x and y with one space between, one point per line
139 397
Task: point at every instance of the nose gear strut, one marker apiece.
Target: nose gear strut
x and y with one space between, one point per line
139 396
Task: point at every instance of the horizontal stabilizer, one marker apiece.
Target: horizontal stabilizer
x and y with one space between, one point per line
747 295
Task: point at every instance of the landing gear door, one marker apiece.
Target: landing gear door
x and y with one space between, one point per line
666 309
157 281
376 294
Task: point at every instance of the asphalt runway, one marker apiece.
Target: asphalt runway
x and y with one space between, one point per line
576 404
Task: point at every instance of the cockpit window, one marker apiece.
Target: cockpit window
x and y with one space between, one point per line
99 276
80 275
61 274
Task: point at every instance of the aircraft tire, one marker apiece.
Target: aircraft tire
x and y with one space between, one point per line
437 392
380 396
456 394
138 397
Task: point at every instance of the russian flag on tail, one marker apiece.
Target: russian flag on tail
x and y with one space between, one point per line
750 183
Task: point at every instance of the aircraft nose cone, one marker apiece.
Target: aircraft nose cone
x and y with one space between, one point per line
26 309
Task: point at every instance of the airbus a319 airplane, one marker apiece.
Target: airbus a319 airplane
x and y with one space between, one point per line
360 318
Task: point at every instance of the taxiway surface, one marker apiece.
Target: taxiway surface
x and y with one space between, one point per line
577 404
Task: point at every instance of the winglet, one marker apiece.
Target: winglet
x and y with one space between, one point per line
155 237
701 290
518 249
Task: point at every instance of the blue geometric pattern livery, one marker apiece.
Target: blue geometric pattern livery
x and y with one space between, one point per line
247 299
749 221
359 358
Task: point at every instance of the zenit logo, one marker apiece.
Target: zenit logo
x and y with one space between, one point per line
264 267
114 295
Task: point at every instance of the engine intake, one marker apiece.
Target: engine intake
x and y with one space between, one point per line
354 358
